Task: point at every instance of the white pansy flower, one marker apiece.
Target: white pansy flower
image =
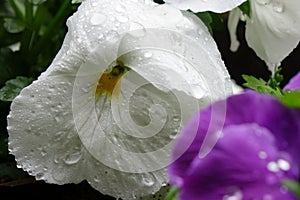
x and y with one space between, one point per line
218 6
273 30
107 110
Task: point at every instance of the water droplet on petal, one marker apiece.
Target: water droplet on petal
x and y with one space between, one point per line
273 167
148 179
58 174
237 195
97 19
137 30
283 165
39 176
120 8
263 2
122 19
262 155
278 7
148 55
73 156
112 36
96 179
43 152
267 197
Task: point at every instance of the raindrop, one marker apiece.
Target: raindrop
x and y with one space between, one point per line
283 165
262 155
43 152
148 179
122 19
173 135
58 136
59 174
176 118
96 179
278 7
84 89
283 189
56 160
120 8
57 119
237 195
148 55
112 36
39 176
273 167
73 156
97 19
263 2
137 30
95 3
267 197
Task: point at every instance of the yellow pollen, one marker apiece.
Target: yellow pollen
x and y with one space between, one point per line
108 82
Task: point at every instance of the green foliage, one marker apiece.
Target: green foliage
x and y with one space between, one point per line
212 20
77 1
13 87
291 99
37 2
261 86
173 193
246 8
12 25
293 186
31 33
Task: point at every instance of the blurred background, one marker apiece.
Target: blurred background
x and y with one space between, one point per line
31 33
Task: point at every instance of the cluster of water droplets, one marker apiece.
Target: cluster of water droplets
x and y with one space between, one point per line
278 6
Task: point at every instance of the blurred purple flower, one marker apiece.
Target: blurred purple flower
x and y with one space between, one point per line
257 150
294 83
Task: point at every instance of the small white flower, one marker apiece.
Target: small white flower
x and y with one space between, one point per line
273 30
128 76
218 6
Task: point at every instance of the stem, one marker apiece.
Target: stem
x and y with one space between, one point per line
62 13
17 10
29 32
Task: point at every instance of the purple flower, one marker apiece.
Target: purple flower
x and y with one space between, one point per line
257 150
294 83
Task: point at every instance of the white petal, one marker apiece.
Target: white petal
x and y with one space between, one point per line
109 141
218 6
273 31
236 88
41 132
233 21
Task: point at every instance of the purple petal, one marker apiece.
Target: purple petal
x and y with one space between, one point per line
294 83
245 162
246 108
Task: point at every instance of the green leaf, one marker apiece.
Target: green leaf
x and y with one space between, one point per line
13 87
212 20
206 19
13 25
261 86
291 99
246 8
293 186
172 195
37 2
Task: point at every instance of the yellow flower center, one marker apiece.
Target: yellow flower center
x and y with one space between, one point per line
109 81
